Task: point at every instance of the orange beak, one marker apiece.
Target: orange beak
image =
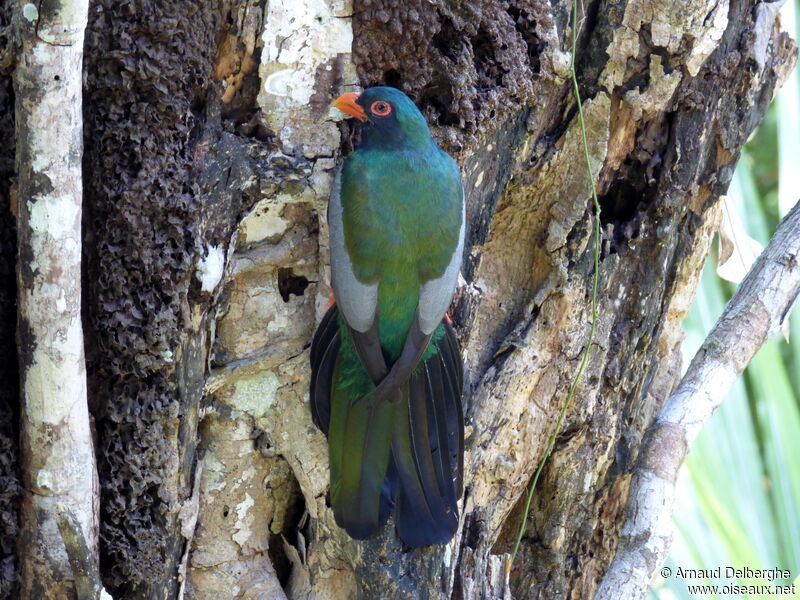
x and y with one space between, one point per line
347 104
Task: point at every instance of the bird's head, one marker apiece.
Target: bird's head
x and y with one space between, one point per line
391 120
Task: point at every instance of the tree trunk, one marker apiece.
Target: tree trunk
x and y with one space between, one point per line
210 151
57 451
10 485
754 314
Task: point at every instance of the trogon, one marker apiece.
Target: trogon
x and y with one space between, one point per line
387 374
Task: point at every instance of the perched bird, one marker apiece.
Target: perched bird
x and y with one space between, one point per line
387 374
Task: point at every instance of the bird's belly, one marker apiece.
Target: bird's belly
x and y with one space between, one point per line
397 304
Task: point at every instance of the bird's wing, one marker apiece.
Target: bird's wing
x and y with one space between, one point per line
435 295
356 301
434 298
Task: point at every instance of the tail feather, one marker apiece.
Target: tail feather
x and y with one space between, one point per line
406 456
327 328
439 436
436 429
359 445
427 512
324 353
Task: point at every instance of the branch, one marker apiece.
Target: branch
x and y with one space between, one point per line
58 464
83 561
761 304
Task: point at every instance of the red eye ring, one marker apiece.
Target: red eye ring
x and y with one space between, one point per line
381 108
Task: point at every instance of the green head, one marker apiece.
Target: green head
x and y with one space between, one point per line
391 120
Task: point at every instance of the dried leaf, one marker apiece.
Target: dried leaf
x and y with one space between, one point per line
737 250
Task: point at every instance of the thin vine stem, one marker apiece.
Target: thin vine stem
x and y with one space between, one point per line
595 284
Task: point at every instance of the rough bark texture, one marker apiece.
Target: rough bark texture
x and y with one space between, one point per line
209 145
673 144
762 303
165 184
664 132
9 379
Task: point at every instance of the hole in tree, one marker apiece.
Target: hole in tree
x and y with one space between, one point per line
293 523
472 533
621 203
392 78
289 283
448 40
437 100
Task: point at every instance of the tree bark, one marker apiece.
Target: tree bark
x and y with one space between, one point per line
755 313
82 557
57 451
9 375
210 151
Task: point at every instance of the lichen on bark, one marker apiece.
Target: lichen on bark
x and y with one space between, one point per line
491 79
210 154
57 462
274 288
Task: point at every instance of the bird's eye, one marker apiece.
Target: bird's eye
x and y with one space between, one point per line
381 108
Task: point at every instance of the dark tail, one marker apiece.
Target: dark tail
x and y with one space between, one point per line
425 471
428 449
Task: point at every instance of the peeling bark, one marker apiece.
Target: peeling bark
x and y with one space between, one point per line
758 309
492 81
210 151
57 453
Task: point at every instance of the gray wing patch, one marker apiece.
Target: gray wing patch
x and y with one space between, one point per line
435 295
357 301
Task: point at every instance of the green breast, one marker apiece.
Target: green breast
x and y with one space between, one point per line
402 217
